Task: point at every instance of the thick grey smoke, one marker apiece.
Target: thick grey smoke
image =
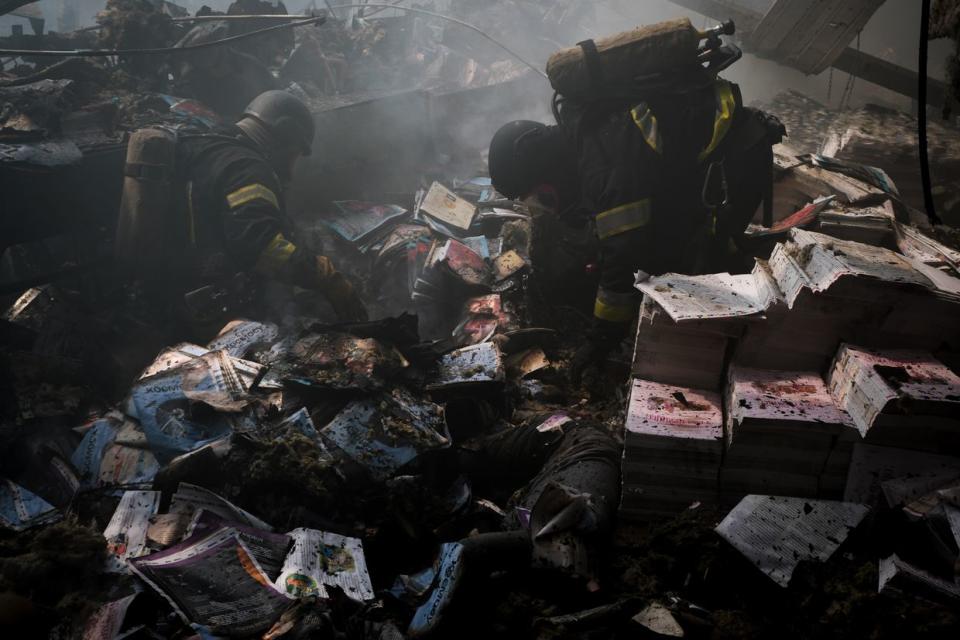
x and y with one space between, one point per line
892 34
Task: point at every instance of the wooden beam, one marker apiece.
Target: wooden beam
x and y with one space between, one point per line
745 19
857 63
890 76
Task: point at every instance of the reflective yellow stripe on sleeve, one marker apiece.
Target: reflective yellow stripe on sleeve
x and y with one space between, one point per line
623 218
647 123
276 255
726 105
614 307
252 192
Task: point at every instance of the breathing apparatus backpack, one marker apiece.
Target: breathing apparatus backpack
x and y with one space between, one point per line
147 228
663 64
154 246
153 238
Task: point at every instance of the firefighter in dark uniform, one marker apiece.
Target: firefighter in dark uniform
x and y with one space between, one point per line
669 182
232 217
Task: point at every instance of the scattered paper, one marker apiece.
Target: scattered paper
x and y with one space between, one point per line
214 581
113 453
126 534
448 207
449 571
714 296
320 559
776 533
901 579
239 337
481 363
106 622
21 509
658 619
384 432
190 499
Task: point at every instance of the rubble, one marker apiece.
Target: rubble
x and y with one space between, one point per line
436 474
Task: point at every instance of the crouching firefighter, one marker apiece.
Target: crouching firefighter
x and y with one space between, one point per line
670 163
203 218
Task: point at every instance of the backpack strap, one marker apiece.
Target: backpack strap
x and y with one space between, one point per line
591 58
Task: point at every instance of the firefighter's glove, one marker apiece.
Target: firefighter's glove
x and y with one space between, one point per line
339 292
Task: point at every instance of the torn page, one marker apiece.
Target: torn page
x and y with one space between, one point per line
872 465
901 579
481 363
190 498
320 559
239 337
113 452
106 622
162 404
825 260
387 431
718 295
21 509
776 533
214 581
269 549
126 534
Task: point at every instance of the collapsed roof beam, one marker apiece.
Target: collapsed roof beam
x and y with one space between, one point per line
857 63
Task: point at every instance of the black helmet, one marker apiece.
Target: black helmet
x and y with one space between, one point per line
286 117
512 167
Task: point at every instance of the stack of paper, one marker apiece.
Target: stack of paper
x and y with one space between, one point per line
899 398
673 445
688 354
781 429
869 225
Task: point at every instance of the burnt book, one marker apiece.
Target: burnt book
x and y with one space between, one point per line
363 224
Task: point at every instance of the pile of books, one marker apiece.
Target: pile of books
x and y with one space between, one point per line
781 430
899 398
825 347
673 446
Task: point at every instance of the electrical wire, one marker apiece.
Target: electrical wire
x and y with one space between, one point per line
381 10
449 19
92 53
103 53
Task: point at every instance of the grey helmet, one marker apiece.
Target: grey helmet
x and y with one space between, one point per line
287 119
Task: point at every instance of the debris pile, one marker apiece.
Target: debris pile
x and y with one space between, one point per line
875 136
253 483
433 472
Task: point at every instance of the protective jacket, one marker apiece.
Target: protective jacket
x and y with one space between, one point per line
235 218
671 180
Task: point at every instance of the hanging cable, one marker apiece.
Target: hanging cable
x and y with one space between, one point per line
830 88
931 206
271 17
449 19
91 53
103 53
